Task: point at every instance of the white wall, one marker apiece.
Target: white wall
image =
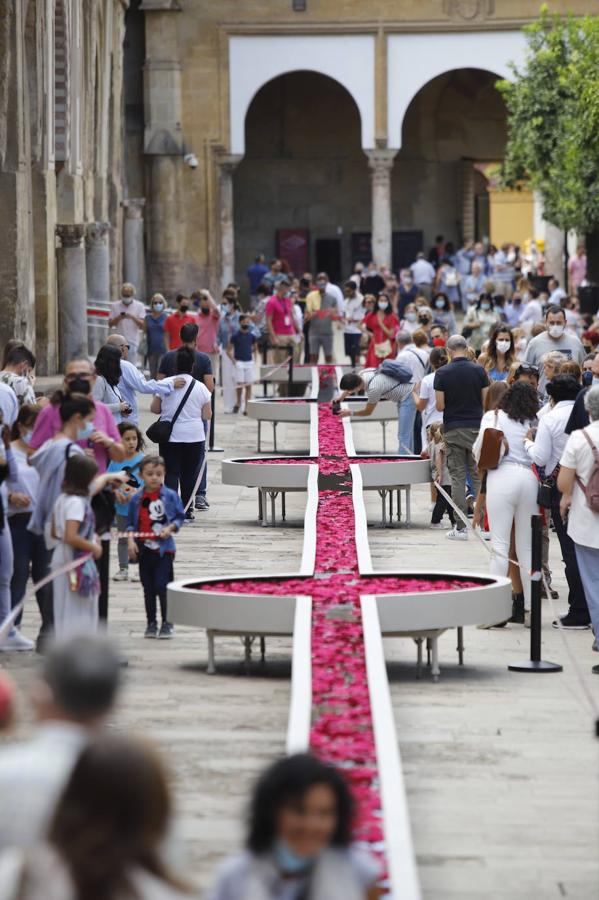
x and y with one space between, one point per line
255 60
415 59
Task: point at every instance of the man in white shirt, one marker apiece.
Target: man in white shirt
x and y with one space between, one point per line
9 405
423 273
73 696
416 360
354 313
556 293
127 318
546 452
132 381
532 314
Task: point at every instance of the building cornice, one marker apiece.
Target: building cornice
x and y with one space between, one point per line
370 27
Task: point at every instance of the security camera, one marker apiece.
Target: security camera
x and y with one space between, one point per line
191 160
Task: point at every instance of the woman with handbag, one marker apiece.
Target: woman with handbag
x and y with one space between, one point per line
180 430
383 324
511 483
545 450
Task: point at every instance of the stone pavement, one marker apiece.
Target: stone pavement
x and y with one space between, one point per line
501 768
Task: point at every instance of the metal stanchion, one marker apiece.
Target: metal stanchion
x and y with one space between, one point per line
290 370
535 663
211 447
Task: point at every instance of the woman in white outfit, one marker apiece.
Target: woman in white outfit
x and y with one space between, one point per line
512 486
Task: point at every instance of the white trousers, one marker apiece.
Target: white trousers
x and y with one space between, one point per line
229 383
512 497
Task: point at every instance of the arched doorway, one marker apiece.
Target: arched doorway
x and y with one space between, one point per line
454 124
304 178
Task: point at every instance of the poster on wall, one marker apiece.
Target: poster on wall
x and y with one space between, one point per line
293 246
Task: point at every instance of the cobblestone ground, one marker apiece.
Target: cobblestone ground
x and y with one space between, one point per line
501 768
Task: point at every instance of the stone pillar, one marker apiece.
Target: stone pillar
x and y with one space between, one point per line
468 225
554 253
134 266
381 163
226 166
72 293
97 265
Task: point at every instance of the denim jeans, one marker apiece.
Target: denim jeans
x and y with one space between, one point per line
576 592
155 572
30 553
6 566
588 566
406 416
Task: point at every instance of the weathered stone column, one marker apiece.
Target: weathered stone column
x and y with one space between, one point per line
381 163
97 265
134 265
72 293
226 167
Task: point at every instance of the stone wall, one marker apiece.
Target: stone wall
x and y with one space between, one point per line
60 162
186 110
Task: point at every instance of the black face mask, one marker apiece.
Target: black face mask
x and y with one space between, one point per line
78 386
244 327
184 309
423 320
204 310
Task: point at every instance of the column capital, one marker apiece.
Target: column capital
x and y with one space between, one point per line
380 162
97 233
134 207
227 163
70 235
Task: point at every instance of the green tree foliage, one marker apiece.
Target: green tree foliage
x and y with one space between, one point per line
553 120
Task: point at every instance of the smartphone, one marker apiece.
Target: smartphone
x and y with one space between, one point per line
336 406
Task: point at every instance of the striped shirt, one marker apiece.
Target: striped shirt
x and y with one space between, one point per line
383 387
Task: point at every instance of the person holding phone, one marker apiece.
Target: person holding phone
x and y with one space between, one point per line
127 318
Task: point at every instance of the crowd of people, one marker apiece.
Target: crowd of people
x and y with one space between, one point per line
495 374
87 813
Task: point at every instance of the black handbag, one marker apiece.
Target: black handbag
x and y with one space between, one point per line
160 431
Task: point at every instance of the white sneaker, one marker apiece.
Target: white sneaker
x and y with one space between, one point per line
17 641
439 525
527 618
134 575
121 575
455 535
485 535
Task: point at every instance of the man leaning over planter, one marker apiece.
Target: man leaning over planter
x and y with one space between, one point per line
391 381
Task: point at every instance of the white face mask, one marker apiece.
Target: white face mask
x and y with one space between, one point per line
127 301
411 316
556 331
382 305
503 346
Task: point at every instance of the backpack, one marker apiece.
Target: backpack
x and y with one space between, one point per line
591 488
395 370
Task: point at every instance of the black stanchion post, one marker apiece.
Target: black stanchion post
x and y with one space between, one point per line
535 663
211 447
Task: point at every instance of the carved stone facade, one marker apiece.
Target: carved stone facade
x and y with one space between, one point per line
231 139
61 167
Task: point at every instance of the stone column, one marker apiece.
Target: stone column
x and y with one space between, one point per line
381 163
72 293
97 265
226 167
134 265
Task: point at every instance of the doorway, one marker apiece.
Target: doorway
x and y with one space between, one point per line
328 258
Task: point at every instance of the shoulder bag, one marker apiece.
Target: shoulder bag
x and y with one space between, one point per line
591 488
160 431
493 439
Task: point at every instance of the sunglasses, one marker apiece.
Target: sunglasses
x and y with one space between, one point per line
527 370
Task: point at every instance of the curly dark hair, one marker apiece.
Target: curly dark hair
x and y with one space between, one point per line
286 783
521 402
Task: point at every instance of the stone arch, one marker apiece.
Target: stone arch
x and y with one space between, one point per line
304 168
415 60
255 60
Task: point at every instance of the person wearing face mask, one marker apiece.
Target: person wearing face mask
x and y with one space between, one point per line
579 417
383 325
181 316
29 550
554 338
410 322
499 356
472 285
442 312
480 320
322 307
208 323
127 318
154 329
407 292
352 318
299 840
